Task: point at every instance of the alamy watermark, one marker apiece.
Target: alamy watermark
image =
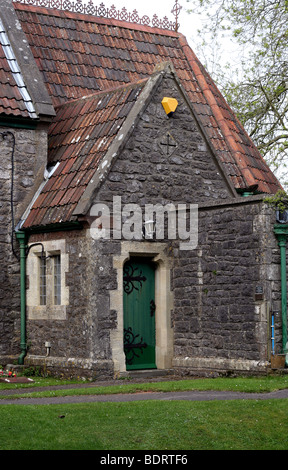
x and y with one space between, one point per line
131 222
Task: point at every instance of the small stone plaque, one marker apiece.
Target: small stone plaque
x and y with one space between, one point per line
259 293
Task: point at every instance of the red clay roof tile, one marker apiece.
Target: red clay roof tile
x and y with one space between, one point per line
83 130
79 55
11 101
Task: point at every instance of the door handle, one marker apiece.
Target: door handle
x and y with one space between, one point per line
152 308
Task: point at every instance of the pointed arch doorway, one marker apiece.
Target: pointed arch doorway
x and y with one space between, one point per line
139 313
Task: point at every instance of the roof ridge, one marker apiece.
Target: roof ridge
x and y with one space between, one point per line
104 92
118 143
100 14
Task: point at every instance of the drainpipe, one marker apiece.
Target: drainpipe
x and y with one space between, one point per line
281 232
21 237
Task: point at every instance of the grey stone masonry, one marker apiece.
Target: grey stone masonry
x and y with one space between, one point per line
217 320
219 323
166 160
23 160
217 312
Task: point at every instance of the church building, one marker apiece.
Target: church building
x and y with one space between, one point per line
135 234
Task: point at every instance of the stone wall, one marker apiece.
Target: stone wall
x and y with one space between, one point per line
166 160
29 162
218 322
80 342
221 317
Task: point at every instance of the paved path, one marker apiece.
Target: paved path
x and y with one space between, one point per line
163 396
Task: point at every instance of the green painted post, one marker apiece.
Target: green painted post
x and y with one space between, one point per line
282 244
21 237
281 232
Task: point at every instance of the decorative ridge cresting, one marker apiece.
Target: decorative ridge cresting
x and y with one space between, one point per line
101 11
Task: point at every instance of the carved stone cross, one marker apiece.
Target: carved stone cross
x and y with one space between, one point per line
167 144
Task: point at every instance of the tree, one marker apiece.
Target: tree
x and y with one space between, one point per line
256 84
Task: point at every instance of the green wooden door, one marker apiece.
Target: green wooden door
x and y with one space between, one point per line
139 314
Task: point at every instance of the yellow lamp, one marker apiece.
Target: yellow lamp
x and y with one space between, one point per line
169 105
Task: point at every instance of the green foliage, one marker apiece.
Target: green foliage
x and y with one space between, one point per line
278 201
32 372
255 84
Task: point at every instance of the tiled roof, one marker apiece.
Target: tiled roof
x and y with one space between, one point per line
79 55
80 136
14 97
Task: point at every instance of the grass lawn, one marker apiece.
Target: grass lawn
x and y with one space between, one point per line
152 425
223 425
238 384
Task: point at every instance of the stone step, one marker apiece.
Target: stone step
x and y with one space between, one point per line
149 373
